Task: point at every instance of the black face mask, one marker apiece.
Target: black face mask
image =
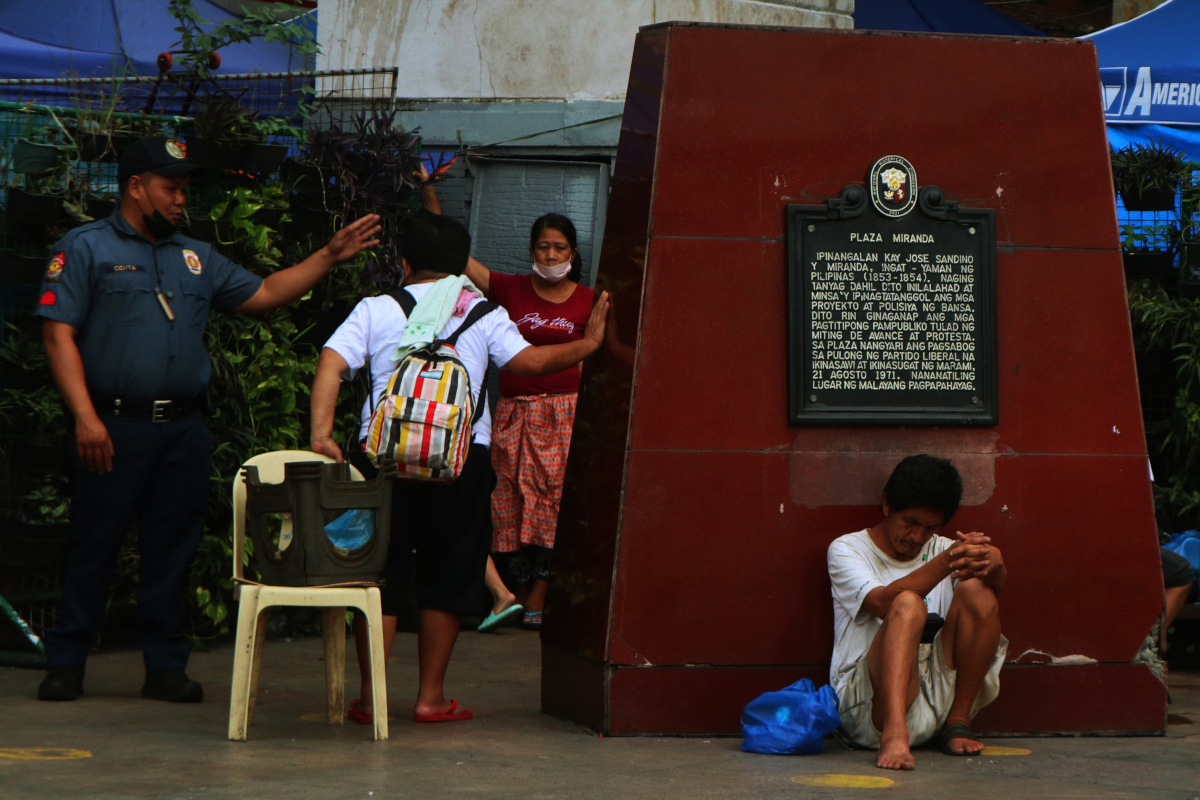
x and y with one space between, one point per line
159 225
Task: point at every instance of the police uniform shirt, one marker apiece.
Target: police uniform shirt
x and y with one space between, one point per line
101 281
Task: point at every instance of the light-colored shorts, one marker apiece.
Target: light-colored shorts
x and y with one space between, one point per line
929 710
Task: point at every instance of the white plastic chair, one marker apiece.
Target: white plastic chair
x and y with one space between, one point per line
254 609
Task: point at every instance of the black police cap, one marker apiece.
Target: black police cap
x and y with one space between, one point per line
155 154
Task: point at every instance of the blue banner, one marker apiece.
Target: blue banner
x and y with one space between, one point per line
1150 67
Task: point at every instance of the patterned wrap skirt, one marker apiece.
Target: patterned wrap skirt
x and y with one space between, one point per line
530 440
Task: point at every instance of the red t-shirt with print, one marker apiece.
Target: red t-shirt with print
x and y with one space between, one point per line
541 323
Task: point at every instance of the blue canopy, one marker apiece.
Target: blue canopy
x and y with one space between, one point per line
98 38
1150 66
943 16
1150 77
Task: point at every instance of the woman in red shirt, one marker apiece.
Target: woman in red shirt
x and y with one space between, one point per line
531 432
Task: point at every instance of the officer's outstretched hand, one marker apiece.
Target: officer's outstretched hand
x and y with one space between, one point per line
95 445
354 238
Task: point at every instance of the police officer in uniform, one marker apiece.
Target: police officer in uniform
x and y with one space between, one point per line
124 305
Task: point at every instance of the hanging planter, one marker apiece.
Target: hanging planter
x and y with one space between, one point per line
99 209
1147 176
262 157
1156 264
25 544
219 157
1150 200
29 208
33 158
309 184
35 457
94 146
22 270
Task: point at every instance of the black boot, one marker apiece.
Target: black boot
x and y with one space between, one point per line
62 683
172 685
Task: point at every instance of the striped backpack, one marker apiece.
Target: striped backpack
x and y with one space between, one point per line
423 419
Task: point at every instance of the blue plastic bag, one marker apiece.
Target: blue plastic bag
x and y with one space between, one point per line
793 721
351 530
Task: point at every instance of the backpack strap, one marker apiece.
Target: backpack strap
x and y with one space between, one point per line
407 304
477 313
407 301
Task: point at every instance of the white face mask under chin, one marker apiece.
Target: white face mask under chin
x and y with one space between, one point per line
553 274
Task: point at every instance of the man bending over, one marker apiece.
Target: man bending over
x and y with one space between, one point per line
900 685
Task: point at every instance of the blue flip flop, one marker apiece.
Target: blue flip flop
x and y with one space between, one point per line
494 620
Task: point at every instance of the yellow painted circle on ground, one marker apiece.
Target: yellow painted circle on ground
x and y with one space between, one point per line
845 781
43 753
1004 751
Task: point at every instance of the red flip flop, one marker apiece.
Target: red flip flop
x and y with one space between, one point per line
361 717
449 715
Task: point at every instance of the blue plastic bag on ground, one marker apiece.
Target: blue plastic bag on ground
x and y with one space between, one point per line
351 530
792 721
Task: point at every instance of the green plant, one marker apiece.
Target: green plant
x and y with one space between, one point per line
1149 238
251 239
1140 168
48 503
197 44
278 126
222 120
1165 322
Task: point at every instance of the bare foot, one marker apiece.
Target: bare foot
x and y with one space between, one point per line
964 744
425 709
503 602
894 754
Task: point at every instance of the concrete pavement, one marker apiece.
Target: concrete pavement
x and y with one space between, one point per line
142 749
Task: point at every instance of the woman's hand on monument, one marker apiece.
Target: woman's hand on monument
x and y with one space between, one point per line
598 321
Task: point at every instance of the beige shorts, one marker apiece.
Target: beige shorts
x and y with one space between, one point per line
928 712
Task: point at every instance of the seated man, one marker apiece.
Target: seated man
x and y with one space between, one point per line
898 688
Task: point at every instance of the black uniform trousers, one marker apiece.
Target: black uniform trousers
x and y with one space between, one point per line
160 479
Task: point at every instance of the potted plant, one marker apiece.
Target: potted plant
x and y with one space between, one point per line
1147 176
35 158
223 129
1149 250
265 157
20 269
37 536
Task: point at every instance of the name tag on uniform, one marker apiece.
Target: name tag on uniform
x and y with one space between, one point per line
118 268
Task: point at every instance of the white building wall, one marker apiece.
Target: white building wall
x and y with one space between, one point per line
575 50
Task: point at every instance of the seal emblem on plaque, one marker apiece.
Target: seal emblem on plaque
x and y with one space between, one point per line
893 186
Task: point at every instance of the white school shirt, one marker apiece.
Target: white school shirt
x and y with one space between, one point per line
856 566
373 330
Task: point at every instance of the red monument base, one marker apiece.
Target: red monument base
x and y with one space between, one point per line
689 572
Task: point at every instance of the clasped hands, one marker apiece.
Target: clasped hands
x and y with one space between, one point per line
972 557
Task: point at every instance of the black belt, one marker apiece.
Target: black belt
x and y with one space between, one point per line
153 410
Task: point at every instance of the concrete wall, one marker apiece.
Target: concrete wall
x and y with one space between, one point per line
526 49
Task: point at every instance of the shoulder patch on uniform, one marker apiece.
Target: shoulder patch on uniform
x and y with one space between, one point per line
54 270
193 261
49 298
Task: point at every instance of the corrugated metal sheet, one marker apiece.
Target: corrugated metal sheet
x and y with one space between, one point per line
509 194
